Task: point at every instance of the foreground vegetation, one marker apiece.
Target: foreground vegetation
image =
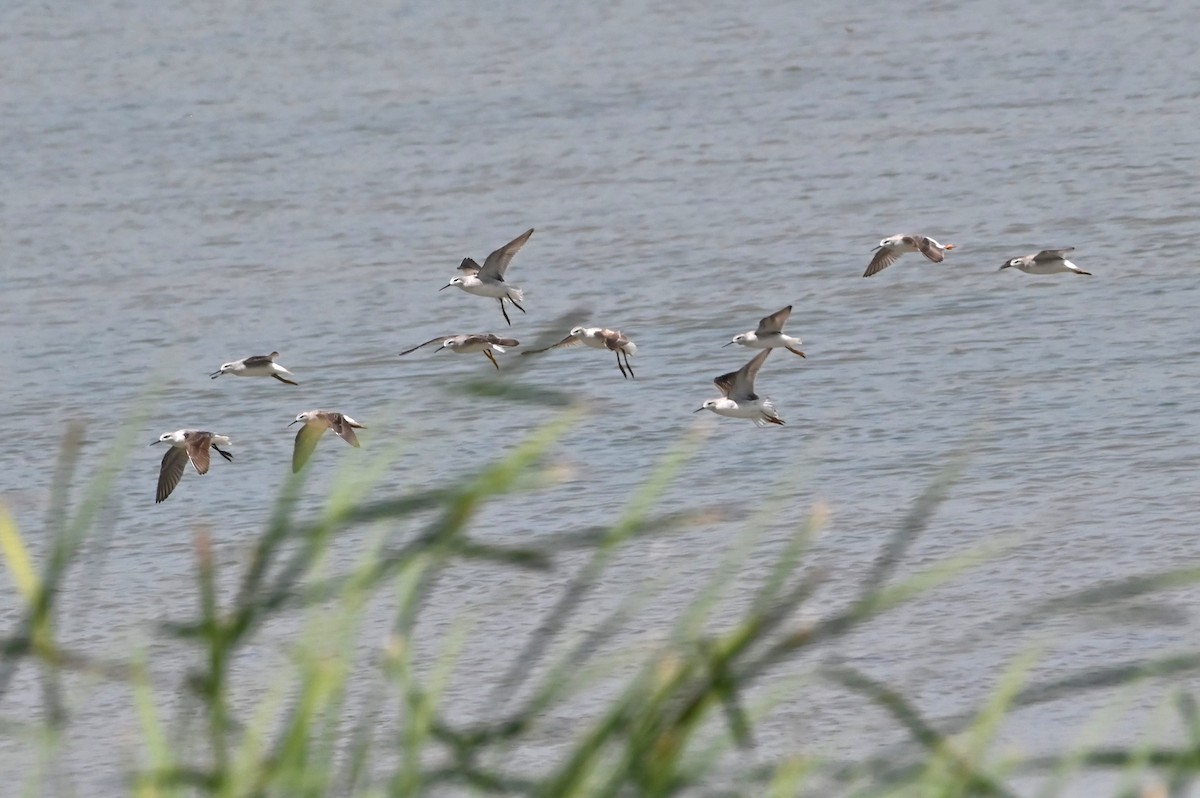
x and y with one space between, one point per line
677 720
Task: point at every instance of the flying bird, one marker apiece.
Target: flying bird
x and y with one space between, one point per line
770 334
462 344
488 280
738 399
255 366
892 247
598 338
186 444
1048 261
315 423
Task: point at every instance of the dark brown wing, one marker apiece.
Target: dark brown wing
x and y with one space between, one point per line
260 360
198 451
883 258
497 340
614 339
341 425
743 379
570 340
468 266
170 472
438 340
773 323
497 262
929 250
725 382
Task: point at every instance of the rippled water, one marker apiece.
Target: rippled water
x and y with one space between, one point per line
190 184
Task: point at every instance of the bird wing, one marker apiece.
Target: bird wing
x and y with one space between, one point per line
306 441
497 340
344 428
614 339
170 472
260 360
570 340
743 378
1052 254
884 257
439 340
497 262
725 382
468 266
773 323
197 450
927 248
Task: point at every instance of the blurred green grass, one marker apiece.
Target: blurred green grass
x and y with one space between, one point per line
679 722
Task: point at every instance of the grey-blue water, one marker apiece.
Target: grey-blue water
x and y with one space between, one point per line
185 184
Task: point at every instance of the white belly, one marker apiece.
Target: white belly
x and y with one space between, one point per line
493 290
1050 267
771 341
732 409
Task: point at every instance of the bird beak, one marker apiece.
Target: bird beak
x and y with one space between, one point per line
215 374
444 287
947 246
154 442
728 344
1005 266
698 409
876 249
293 422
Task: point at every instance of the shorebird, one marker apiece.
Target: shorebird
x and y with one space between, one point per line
255 366
186 444
315 423
462 344
769 334
739 399
1048 261
893 247
488 280
598 338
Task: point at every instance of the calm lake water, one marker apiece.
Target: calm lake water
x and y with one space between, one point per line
186 184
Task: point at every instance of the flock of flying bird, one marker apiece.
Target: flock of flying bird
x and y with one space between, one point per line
737 400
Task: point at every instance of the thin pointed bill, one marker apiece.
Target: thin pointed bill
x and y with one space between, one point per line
731 343
698 409
215 374
444 287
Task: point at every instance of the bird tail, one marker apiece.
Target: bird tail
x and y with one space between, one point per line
516 295
630 348
769 416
